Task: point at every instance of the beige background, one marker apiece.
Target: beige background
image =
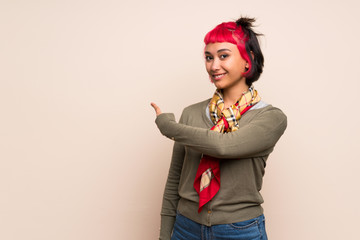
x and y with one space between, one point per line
80 155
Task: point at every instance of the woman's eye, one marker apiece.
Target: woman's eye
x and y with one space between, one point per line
223 56
208 58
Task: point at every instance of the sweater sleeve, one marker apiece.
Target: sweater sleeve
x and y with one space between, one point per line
171 194
254 139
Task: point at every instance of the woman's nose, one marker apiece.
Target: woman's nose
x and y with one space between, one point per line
215 65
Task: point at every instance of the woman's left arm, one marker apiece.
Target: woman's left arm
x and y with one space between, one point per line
254 139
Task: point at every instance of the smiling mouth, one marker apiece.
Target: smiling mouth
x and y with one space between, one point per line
218 76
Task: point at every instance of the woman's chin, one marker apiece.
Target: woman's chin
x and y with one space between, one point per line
218 85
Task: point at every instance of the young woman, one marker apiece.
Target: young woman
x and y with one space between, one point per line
221 145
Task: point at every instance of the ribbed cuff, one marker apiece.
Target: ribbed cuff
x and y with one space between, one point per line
167 225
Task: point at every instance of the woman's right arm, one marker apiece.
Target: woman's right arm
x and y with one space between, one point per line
171 193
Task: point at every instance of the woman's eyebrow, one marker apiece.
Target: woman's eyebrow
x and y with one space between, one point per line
224 49
220 50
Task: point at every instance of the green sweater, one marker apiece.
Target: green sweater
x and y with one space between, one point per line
242 155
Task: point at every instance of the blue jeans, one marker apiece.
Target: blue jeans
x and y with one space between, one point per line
186 229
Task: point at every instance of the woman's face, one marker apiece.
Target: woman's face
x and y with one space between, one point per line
225 65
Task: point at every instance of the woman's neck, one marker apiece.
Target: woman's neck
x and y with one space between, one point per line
231 95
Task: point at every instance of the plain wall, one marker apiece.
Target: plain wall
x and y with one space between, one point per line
80 155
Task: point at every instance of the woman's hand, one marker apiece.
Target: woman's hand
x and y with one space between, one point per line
156 108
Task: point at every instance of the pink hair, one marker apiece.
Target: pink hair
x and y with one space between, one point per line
230 32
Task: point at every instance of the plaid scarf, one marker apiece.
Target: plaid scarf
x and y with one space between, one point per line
207 180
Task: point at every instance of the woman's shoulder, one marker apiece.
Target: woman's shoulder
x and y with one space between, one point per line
268 112
272 110
195 114
196 107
